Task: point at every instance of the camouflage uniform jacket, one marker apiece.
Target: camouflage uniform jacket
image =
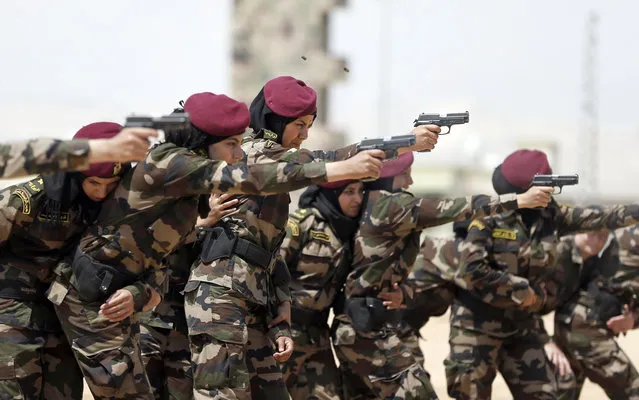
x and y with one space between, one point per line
32 241
154 208
387 242
312 252
43 156
501 259
262 220
433 279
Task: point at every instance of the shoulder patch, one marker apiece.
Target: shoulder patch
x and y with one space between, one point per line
270 135
269 144
319 235
294 227
301 214
478 224
35 185
26 200
504 234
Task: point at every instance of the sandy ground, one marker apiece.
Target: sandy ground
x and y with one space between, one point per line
435 349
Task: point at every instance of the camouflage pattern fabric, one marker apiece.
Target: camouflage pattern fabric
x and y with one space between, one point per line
164 336
593 353
500 259
433 278
37 365
387 243
108 353
43 156
381 366
154 208
386 247
231 355
262 220
312 251
475 358
167 362
580 331
32 240
311 372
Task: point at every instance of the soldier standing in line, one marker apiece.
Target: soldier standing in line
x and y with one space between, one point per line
596 294
119 267
241 281
386 245
508 262
164 340
46 156
318 250
40 221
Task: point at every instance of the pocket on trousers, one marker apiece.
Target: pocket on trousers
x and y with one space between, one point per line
456 374
106 367
218 364
9 385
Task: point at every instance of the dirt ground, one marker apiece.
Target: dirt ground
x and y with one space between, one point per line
435 349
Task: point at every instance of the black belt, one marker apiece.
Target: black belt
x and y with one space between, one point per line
220 242
306 317
11 289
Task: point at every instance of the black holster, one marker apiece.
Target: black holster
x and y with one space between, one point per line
95 281
368 314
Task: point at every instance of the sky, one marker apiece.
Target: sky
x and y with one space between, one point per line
516 66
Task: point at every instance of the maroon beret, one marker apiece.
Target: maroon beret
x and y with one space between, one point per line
217 114
397 165
521 166
101 130
290 97
337 184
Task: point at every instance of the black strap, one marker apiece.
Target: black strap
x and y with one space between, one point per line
252 253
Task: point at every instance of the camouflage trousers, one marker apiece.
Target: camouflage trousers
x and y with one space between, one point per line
167 360
108 353
475 357
37 365
231 354
378 365
410 338
594 353
311 372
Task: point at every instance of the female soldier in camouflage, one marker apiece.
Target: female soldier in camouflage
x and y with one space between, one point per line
40 221
508 263
318 250
164 338
119 269
240 272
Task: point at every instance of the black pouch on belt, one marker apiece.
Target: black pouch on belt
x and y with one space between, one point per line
369 314
95 281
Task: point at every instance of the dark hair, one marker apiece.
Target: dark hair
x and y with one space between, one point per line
191 138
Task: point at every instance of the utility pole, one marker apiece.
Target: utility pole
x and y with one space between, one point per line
590 121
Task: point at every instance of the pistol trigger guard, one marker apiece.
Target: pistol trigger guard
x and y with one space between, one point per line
560 188
445 133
